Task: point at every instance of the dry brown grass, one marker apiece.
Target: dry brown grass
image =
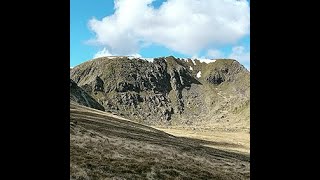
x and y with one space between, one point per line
230 141
107 147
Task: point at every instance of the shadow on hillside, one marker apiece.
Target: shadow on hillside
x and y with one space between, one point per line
213 143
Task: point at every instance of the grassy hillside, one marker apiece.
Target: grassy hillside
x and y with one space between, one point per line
106 146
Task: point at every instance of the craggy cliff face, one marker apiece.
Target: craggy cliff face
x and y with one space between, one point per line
169 90
79 96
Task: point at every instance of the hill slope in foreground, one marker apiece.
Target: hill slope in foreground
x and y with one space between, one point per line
105 146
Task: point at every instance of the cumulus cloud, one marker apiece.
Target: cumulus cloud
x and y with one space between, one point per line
105 52
214 54
102 53
242 55
185 26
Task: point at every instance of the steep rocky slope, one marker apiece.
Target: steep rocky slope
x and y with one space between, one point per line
79 96
169 91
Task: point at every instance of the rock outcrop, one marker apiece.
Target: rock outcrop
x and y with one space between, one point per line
168 90
79 96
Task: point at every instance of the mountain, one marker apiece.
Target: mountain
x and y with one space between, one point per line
106 146
162 118
170 91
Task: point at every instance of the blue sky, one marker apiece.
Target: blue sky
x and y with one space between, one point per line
202 29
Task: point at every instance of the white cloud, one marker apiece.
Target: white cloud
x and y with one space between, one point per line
214 54
105 52
136 55
185 26
242 55
102 53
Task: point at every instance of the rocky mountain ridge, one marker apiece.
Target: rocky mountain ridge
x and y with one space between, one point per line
169 90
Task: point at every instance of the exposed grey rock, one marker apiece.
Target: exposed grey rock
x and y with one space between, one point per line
79 96
165 90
